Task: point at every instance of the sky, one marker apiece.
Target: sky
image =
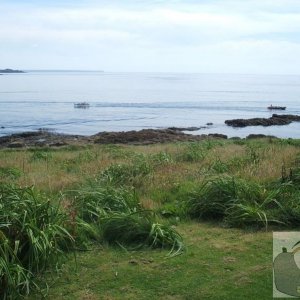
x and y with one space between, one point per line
229 36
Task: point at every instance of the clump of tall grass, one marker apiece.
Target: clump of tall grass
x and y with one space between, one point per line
86 156
172 200
219 166
117 151
95 201
32 237
289 213
40 155
139 229
254 154
235 201
126 173
118 217
10 173
193 152
161 159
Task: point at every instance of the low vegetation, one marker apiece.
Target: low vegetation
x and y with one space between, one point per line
145 205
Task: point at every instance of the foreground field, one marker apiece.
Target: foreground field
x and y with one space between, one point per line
219 264
168 221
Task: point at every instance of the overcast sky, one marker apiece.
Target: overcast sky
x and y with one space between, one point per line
228 36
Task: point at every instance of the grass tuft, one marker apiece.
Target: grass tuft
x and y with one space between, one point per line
32 237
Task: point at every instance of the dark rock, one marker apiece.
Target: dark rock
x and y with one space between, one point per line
260 136
209 123
11 71
218 135
2 127
274 120
133 262
16 144
147 261
45 129
145 136
58 144
141 137
295 118
26 134
185 128
41 143
4 140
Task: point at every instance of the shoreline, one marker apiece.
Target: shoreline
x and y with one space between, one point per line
44 138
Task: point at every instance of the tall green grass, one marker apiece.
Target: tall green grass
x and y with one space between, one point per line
96 201
32 237
127 173
237 202
140 229
119 218
11 173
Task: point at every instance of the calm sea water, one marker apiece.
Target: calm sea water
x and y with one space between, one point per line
132 101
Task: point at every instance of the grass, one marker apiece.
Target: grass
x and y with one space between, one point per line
237 202
33 236
219 264
132 209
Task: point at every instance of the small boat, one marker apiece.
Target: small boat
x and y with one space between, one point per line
81 105
276 107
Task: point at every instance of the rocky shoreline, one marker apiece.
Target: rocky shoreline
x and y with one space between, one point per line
278 120
46 138
43 138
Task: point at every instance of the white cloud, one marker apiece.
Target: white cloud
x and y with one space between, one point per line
169 34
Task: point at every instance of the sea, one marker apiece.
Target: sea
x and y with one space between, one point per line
133 101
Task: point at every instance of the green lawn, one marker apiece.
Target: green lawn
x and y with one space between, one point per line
218 264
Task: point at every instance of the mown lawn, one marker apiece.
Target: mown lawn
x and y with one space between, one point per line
218 264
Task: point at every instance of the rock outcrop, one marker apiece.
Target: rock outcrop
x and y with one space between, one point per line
43 138
11 71
145 136
274 120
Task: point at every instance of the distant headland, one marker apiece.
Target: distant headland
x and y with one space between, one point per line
11 71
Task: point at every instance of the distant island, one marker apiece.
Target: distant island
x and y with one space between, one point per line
11 71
